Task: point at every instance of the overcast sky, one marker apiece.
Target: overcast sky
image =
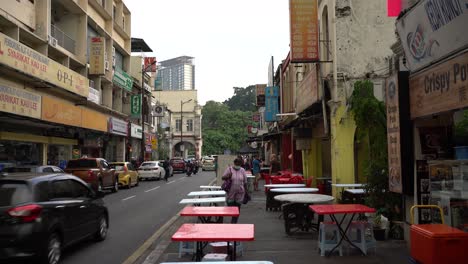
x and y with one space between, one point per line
232 40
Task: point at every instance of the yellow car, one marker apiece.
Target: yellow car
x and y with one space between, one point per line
128 176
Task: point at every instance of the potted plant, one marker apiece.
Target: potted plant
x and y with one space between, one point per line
379 226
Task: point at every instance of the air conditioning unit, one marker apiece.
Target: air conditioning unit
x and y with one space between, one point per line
113 62
52 41
106 63
113 51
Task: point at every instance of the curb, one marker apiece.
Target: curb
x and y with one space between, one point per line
159 250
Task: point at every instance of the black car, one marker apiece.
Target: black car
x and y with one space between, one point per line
40 214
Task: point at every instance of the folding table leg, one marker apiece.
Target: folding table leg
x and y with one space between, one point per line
344 233
199 253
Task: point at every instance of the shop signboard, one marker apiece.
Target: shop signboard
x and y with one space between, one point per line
432 30
94 120
136 131
136 105
441 88
303 23
96 57
94 96
271 103
150 64
393 135
118 126
62 112
154 143
20 102
24 59
307 91
122 79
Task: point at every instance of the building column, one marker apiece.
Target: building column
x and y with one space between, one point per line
107 95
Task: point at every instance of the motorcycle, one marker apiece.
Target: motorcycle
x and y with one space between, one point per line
188 170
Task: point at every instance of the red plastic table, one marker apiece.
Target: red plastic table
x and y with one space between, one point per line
204 213
333 209
214 232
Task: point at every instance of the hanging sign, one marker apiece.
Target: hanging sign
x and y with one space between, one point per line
136 105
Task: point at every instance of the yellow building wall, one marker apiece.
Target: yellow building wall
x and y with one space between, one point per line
96 17
312 160
342 145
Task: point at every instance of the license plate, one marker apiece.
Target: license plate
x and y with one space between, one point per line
147 169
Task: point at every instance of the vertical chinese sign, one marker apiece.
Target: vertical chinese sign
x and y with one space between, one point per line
96 59
271 103
303 23
393 135
136 105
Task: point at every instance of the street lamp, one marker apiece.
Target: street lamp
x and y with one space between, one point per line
181 124
143 71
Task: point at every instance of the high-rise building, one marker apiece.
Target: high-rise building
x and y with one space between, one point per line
177 74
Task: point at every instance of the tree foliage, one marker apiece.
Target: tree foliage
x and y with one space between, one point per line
370 117
243 99
225 124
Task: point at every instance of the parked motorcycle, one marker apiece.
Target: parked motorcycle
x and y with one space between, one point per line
189 169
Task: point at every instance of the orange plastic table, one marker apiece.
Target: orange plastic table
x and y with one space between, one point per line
214 232
333 209
204 213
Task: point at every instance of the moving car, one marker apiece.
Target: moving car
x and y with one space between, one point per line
95 171
171 170
41 214
34 169
178 164
128 176
151 170
208 164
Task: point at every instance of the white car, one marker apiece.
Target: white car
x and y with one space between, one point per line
151 170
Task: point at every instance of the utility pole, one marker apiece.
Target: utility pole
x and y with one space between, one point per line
143 71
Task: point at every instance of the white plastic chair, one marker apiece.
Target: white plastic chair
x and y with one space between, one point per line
361 234
329 237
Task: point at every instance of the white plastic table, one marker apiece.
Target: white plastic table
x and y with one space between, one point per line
348 185
294 190
211 187
207 193
286 185
306 198
355 191
204 201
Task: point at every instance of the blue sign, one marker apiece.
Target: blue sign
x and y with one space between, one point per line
271 103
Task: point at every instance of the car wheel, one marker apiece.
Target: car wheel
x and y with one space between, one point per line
116 186
129 183
54 250
102 230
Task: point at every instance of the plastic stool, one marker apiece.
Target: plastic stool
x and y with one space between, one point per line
325 243
221 247
214 257
187 247
361 234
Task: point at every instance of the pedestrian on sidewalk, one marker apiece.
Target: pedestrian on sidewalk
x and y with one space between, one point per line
166 168
238 178
256 165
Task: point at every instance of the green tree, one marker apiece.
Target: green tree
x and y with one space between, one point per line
243 99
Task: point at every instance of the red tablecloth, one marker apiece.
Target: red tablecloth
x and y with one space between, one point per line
215 232
210 211
324 209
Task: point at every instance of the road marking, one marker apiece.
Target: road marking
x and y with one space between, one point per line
181 179
141 250
128 198
152 189
170 182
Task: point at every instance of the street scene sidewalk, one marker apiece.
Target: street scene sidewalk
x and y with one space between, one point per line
273 244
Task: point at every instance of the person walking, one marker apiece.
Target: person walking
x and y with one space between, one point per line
256 164
235 195
275 166
166 168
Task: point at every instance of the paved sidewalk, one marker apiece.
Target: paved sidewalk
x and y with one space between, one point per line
272 244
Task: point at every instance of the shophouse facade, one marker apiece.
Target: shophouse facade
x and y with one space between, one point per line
318 130
184 133
437 114
64 81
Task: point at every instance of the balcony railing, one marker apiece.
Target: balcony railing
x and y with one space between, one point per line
63 39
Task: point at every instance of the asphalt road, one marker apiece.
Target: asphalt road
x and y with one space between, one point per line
135 215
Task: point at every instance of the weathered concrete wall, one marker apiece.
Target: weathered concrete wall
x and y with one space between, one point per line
364 34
